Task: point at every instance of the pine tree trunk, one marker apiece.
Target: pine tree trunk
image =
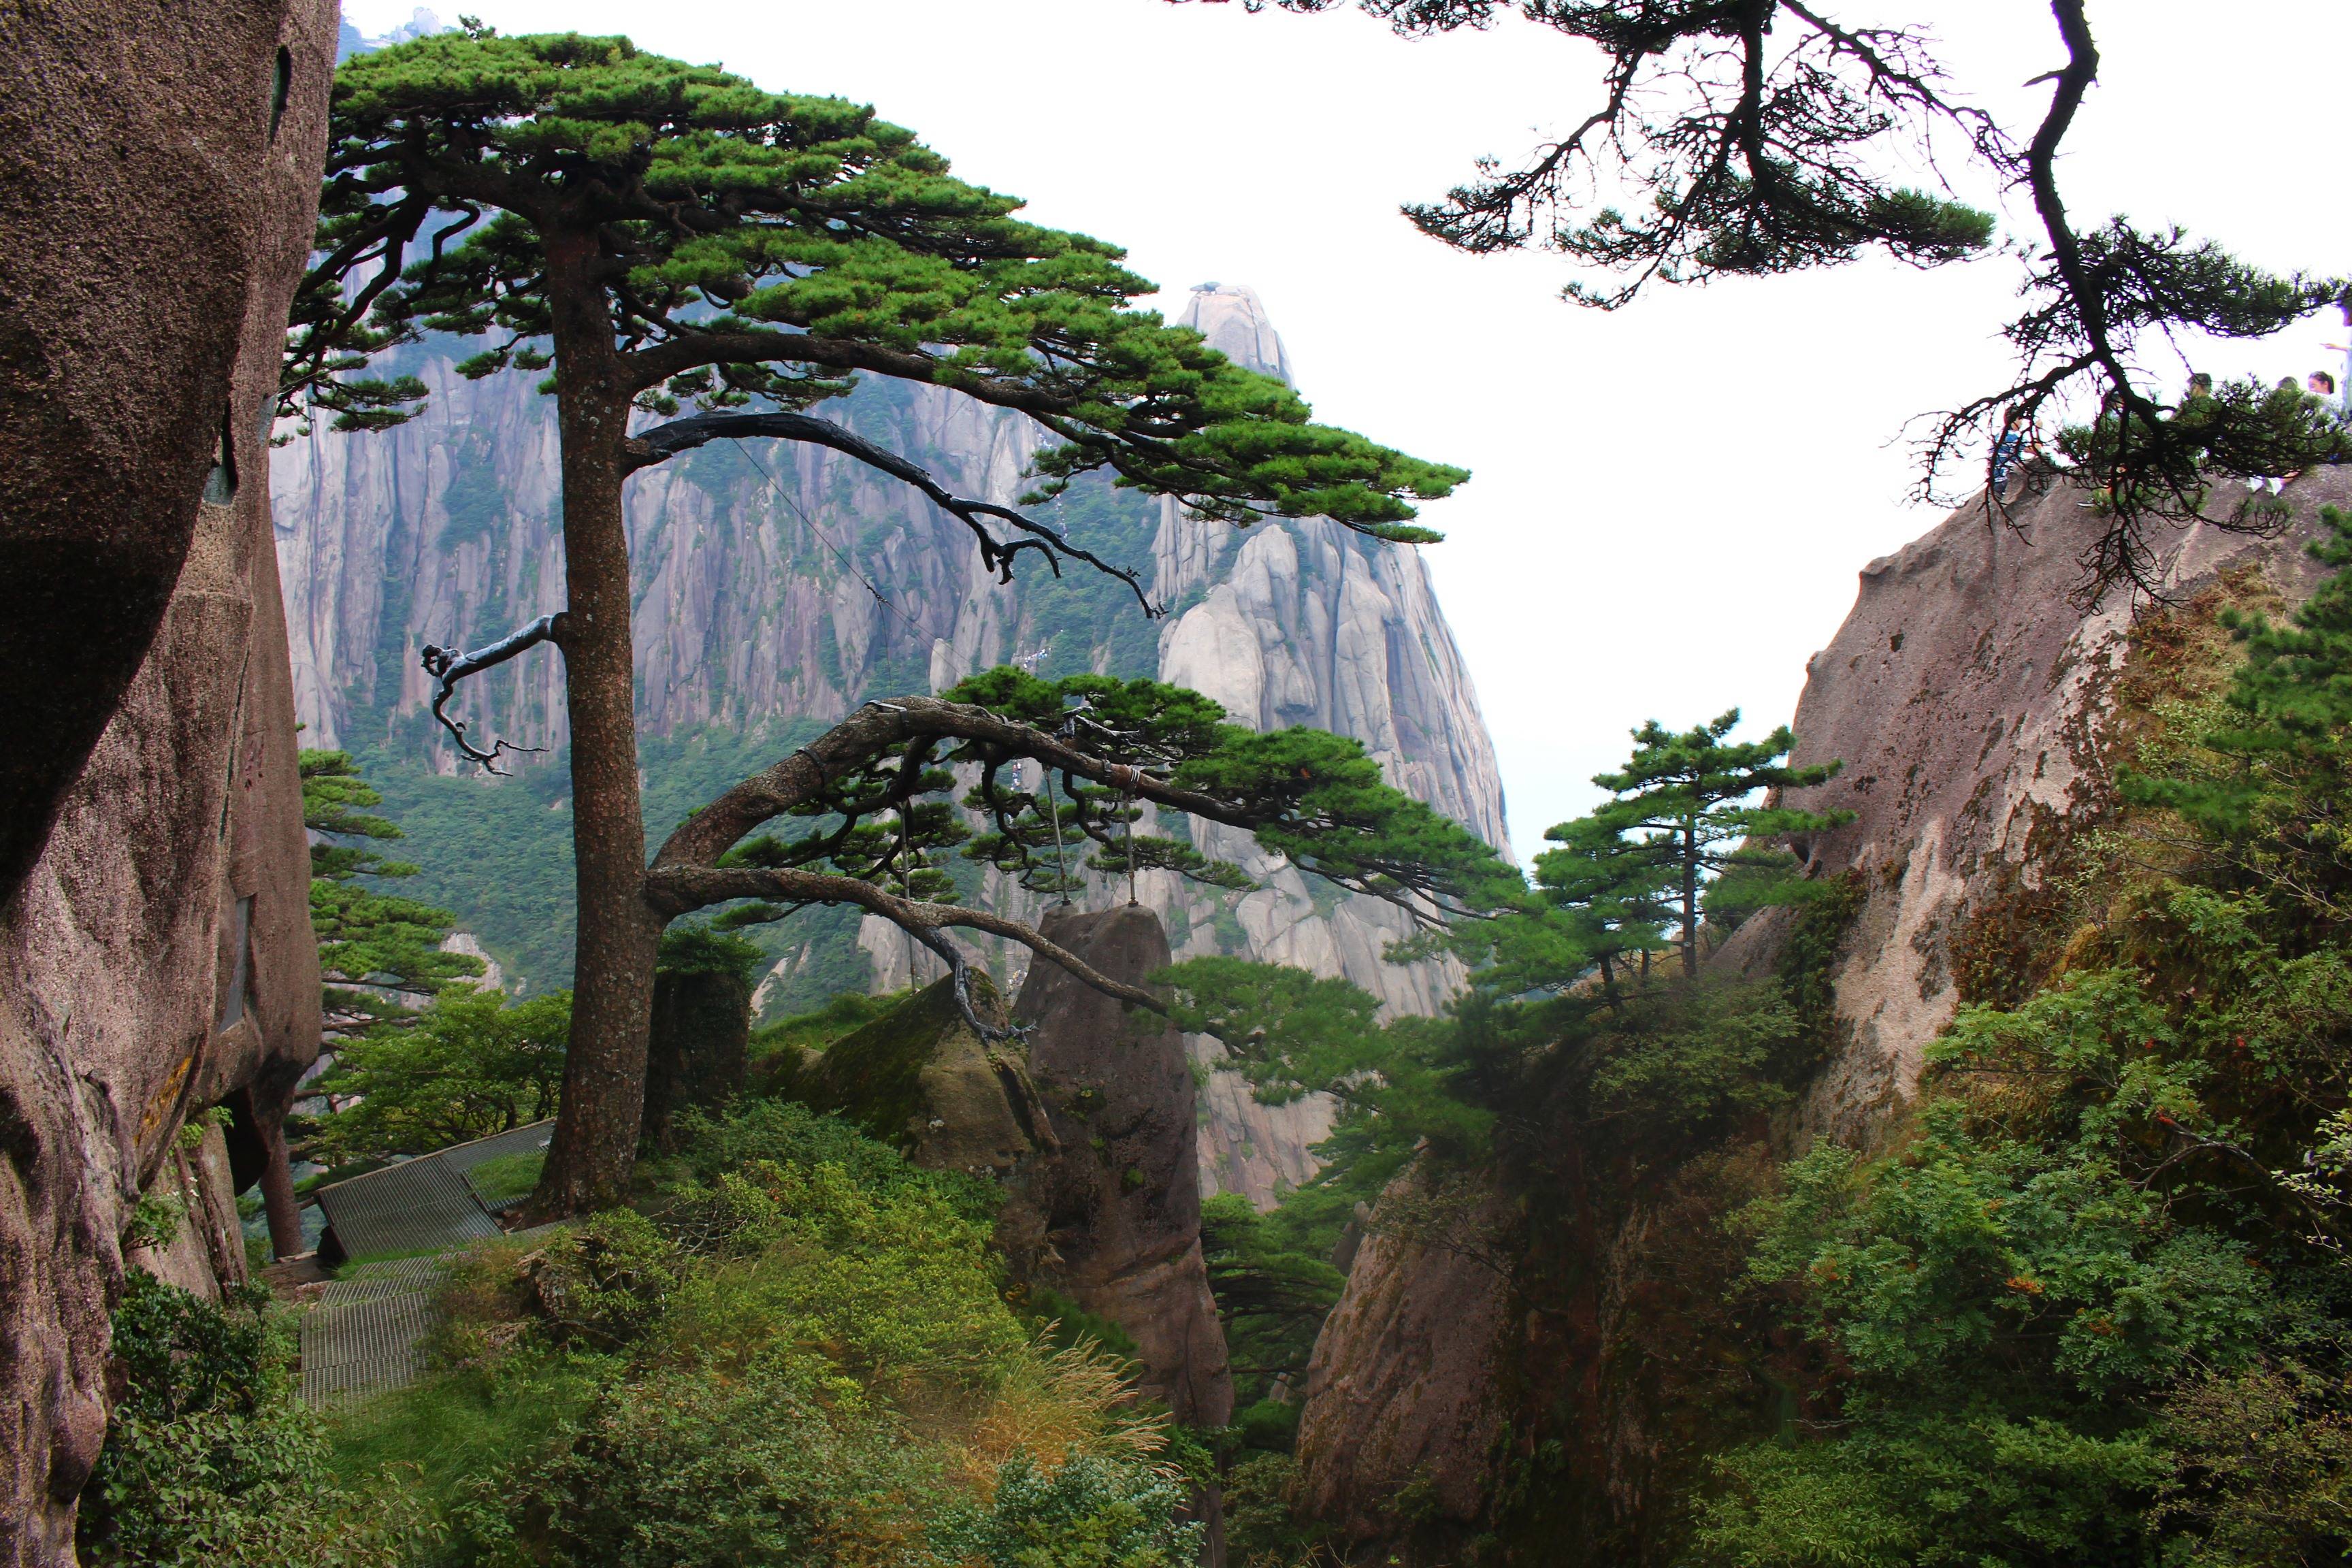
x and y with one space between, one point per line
279 1203
595 1142
1690 901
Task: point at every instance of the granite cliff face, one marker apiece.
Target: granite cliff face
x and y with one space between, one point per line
1120 1203
782 585
1968 699
156 959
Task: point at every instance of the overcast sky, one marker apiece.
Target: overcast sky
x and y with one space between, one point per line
1669 505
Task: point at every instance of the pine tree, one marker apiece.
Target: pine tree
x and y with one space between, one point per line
1679 818
381 953
1601 901
659 235
1759 137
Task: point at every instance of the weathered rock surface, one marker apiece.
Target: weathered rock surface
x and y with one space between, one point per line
1121 1206
920 1078
1401 1391
206 1247
145 160
1968 696
1258 1151
756 613
1089 1125
157 958
695 1059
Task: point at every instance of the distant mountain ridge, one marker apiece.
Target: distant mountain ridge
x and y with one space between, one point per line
779 586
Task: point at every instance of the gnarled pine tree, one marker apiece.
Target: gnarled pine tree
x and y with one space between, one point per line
1759 137
662 234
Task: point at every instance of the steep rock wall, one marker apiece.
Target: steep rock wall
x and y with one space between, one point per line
157 958
1120 1203
143 149
1968 694
1402 1390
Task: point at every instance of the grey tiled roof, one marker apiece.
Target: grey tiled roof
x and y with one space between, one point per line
521 1141
366 1332
417 1205
526 1140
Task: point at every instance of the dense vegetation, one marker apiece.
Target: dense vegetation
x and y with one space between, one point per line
209 1460
2085 1303
794 1348
2092 1307
423 1055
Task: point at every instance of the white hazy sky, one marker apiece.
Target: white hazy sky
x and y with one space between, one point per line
1669 505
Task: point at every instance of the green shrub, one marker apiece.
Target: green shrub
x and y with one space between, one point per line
604 1281
466 1066
1261 1530
774 1465
1087 1512
209 1460
889 1278
800 1354
786 1134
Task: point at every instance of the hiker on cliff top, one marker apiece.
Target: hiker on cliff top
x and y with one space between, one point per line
2320 387
2017 441
2345 348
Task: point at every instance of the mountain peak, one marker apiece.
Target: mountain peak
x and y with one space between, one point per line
1233 319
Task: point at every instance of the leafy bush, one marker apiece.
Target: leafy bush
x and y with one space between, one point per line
603 1282
2092 1307
774 1466
1261 1530
784 1133
798 1352
889 1278
209 1460
1084 1513
468 1066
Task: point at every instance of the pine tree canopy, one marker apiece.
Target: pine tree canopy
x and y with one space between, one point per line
884 815
1691 786
1598 898
1680 820
389 944
1757 137
757 247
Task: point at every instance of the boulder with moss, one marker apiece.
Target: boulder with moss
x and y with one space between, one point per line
920 1078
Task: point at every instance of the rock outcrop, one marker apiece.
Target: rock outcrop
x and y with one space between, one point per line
147 156
1120 1207
1402 1397
781 585
1086 1119
695 1058
157 957
205 1247
920 1078
1968 694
